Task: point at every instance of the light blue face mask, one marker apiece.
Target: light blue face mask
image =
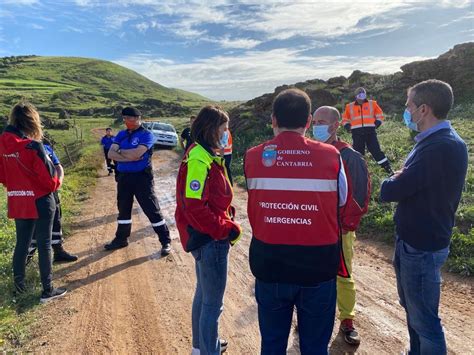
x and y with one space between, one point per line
224 139
408 122
321 132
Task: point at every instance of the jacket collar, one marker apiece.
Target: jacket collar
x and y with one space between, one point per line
356 103
208 149
13 130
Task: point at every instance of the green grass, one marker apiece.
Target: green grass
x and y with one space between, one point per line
16 314
77 84
396 141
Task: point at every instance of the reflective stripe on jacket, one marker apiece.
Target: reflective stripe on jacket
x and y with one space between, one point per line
363 115
293 208
203 199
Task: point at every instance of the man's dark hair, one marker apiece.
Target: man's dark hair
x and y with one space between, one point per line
108 129
205 128
436 94
291 109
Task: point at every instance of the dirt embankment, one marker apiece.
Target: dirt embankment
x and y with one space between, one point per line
133 301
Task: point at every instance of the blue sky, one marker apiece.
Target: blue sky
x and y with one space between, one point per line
236 50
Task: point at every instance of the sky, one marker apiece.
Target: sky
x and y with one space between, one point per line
237 50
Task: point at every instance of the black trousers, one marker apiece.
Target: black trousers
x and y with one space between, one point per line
227 161
141 186
57 234
108 161
41 229
367 137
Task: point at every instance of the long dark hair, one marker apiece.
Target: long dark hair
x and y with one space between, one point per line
205 128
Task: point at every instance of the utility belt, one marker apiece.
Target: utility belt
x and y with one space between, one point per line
147 171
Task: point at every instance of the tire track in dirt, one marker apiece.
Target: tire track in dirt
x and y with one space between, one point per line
132 301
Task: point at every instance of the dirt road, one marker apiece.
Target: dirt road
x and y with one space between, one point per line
132 301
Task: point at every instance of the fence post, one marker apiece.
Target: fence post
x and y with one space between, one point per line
68 155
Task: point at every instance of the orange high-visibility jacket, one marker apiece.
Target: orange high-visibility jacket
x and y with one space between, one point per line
363 115
228 147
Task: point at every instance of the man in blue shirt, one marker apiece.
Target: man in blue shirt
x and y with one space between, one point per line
106 142
60 255
428 190
132 150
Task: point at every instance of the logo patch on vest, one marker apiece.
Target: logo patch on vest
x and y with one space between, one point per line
135 141
269 155
195 185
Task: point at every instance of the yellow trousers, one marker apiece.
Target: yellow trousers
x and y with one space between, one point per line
346 291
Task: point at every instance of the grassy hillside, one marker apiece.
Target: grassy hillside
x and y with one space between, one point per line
86 87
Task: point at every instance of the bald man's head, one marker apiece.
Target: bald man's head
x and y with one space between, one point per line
327 116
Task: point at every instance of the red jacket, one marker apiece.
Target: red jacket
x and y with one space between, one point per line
293 207
358 181
203 199
26 171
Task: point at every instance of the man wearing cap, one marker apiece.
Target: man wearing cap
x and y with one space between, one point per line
361 118
132 150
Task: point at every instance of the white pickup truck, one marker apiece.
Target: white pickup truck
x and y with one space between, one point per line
164 133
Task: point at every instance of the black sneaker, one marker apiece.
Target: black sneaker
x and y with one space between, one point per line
61 255
166 249
116 244
350 334
224 344
47 296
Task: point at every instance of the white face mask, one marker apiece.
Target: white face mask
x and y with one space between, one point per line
361 96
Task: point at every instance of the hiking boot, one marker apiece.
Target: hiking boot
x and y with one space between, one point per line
116 244
53 293
166 249
61 255
224 344
350 334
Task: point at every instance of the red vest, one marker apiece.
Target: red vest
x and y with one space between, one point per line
293 203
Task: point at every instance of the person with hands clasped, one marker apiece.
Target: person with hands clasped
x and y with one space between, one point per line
204 217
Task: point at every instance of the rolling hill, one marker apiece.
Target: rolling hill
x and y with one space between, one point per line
86 87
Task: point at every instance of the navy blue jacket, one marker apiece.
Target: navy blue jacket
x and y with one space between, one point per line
428 190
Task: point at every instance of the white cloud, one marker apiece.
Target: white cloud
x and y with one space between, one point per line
35 26
74 29
469 16
116 21
255 72
235 43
